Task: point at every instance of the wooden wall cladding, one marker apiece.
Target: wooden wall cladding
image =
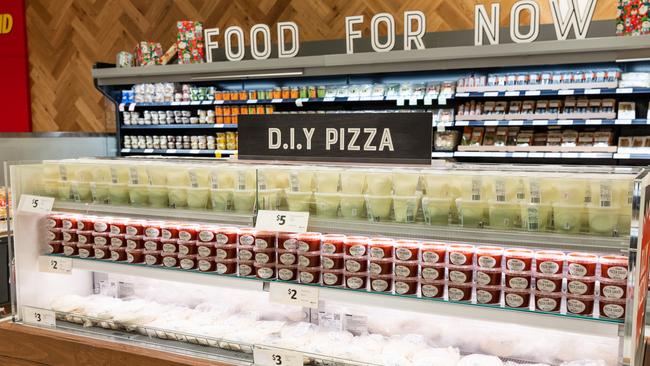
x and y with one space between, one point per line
65 38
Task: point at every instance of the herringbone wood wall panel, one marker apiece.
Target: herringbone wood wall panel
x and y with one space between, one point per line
65 38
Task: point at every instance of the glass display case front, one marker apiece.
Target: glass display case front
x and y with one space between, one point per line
462 264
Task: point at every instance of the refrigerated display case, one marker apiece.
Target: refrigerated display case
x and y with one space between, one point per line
458 263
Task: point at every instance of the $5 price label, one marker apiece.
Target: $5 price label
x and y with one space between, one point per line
37 204
264 356
286 221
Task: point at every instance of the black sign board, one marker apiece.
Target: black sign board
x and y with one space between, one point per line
387 138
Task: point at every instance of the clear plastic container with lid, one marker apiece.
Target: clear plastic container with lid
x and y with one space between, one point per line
613 289
287 241
459 291
265 270
265 239
381 248
519 280
432 288
518 259
287 273
332 277
581 285
356 246
244 268
433 252
550 302
288 257
356 281
244 253
488 294
461 254
407 250
308 242
406 285
135 256
230 267
517 298
227 235
612 308
207 264
332 244
582 264
489 256
356 264
580 304
549 261
70 249
188 261
207 233
228 251
613 267
247 236
381 283
381 266
434 271
487 276
309 259
406 269
264 256
460 274
332 261
548 283
170 259
309 274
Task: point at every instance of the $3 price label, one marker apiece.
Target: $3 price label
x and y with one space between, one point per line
264 356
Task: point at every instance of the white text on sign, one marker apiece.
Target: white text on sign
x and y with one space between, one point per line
55 264
39 317
291 294
287 221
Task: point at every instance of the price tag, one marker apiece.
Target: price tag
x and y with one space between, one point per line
148 151
185 103
170 151
195 102
251 101
299 102
125 150
61 265
206 102
40 317
328 99
516 123
565 92
592 91
276 100
287 221
353 99
491 123
533 93
623 122
564 122
219 101
195 151
264 356
120 107
512 94
293 294
462 95
131 107
413 101
540 122
428 100
442 99
462 123
624 91
594 122
400 101
491 94
217 154
176 103
38 204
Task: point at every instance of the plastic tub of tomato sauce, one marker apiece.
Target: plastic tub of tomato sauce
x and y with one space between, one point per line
407 250
247 236
518 280
549 302
152 243
84 237
406 285
227 235
230 266
612 289
133 227
487 276
170 259
151 257
581 285
117 226
517 298
381 283
55 247
134 242
69 236
580 305
582 264
488 294
461 254
549 261
206 249
309 274
309 259
356 264
135 256
265 270
228 251
187 247
287 273
245 268
70 249
188 261
308 242
207 264
102 251
489 256
169 230
332 277
332 244
86 251
287 257
287 241
101 224
332 261
459 291
612 308
356 281
55 235
207 233
265 239
69 222
118 254
460 274
54 221
188 232
117 240
613 267
548 283
169 245
432 288
381 266
101 239
433 271
433 252
86 223
264 256
357 246
518 259
152 229
244 253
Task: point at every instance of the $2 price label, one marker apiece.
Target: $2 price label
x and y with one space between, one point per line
291 294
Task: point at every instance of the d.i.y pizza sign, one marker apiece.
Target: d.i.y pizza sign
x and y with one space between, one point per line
575 15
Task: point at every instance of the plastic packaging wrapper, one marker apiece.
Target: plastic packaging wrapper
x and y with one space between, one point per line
189 42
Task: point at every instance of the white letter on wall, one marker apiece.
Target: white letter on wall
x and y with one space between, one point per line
411 35
576 18
484 24
390 32
515 18
350 33
209 44
239 33
295 39
266 39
